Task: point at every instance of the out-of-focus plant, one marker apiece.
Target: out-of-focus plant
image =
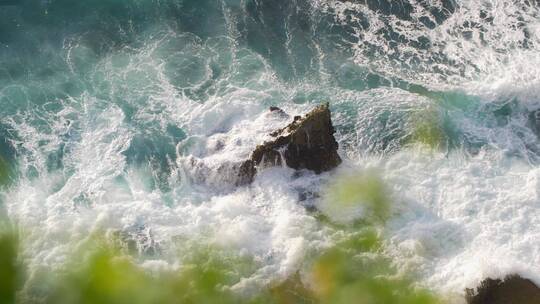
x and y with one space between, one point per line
11 272
427 129
352 271
355 271
109 276
208 272
291 291
356 197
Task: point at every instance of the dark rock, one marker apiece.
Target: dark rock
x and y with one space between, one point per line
307 143
512 290
278 111
246 172
220 177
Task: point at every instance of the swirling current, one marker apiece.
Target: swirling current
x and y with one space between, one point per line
106 107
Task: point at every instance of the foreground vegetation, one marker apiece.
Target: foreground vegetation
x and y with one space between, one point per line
101 270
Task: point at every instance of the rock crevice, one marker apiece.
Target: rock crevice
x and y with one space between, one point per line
306 143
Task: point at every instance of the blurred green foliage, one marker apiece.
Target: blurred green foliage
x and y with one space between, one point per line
350 192
427 129
10 270
103 270
354 271
105 278
108 276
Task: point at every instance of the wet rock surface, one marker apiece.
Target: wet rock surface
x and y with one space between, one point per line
306 143
512 290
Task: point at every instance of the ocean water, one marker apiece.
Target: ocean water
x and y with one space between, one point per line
115 116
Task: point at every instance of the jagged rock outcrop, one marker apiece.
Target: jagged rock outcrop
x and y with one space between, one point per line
306 143
512 290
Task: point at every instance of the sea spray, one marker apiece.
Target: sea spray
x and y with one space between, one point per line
356 197
94 95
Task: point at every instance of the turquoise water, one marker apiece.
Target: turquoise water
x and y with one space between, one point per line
113 115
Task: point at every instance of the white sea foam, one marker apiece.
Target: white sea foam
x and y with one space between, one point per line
460 215
464 218
490 42
98 191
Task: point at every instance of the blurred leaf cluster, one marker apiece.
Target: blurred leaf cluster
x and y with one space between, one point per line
427 129
10 270
353 271
103 270
360 199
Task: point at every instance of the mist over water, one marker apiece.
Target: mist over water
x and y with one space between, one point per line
115 115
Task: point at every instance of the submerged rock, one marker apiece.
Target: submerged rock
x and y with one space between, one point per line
306 143
513 289
534 120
